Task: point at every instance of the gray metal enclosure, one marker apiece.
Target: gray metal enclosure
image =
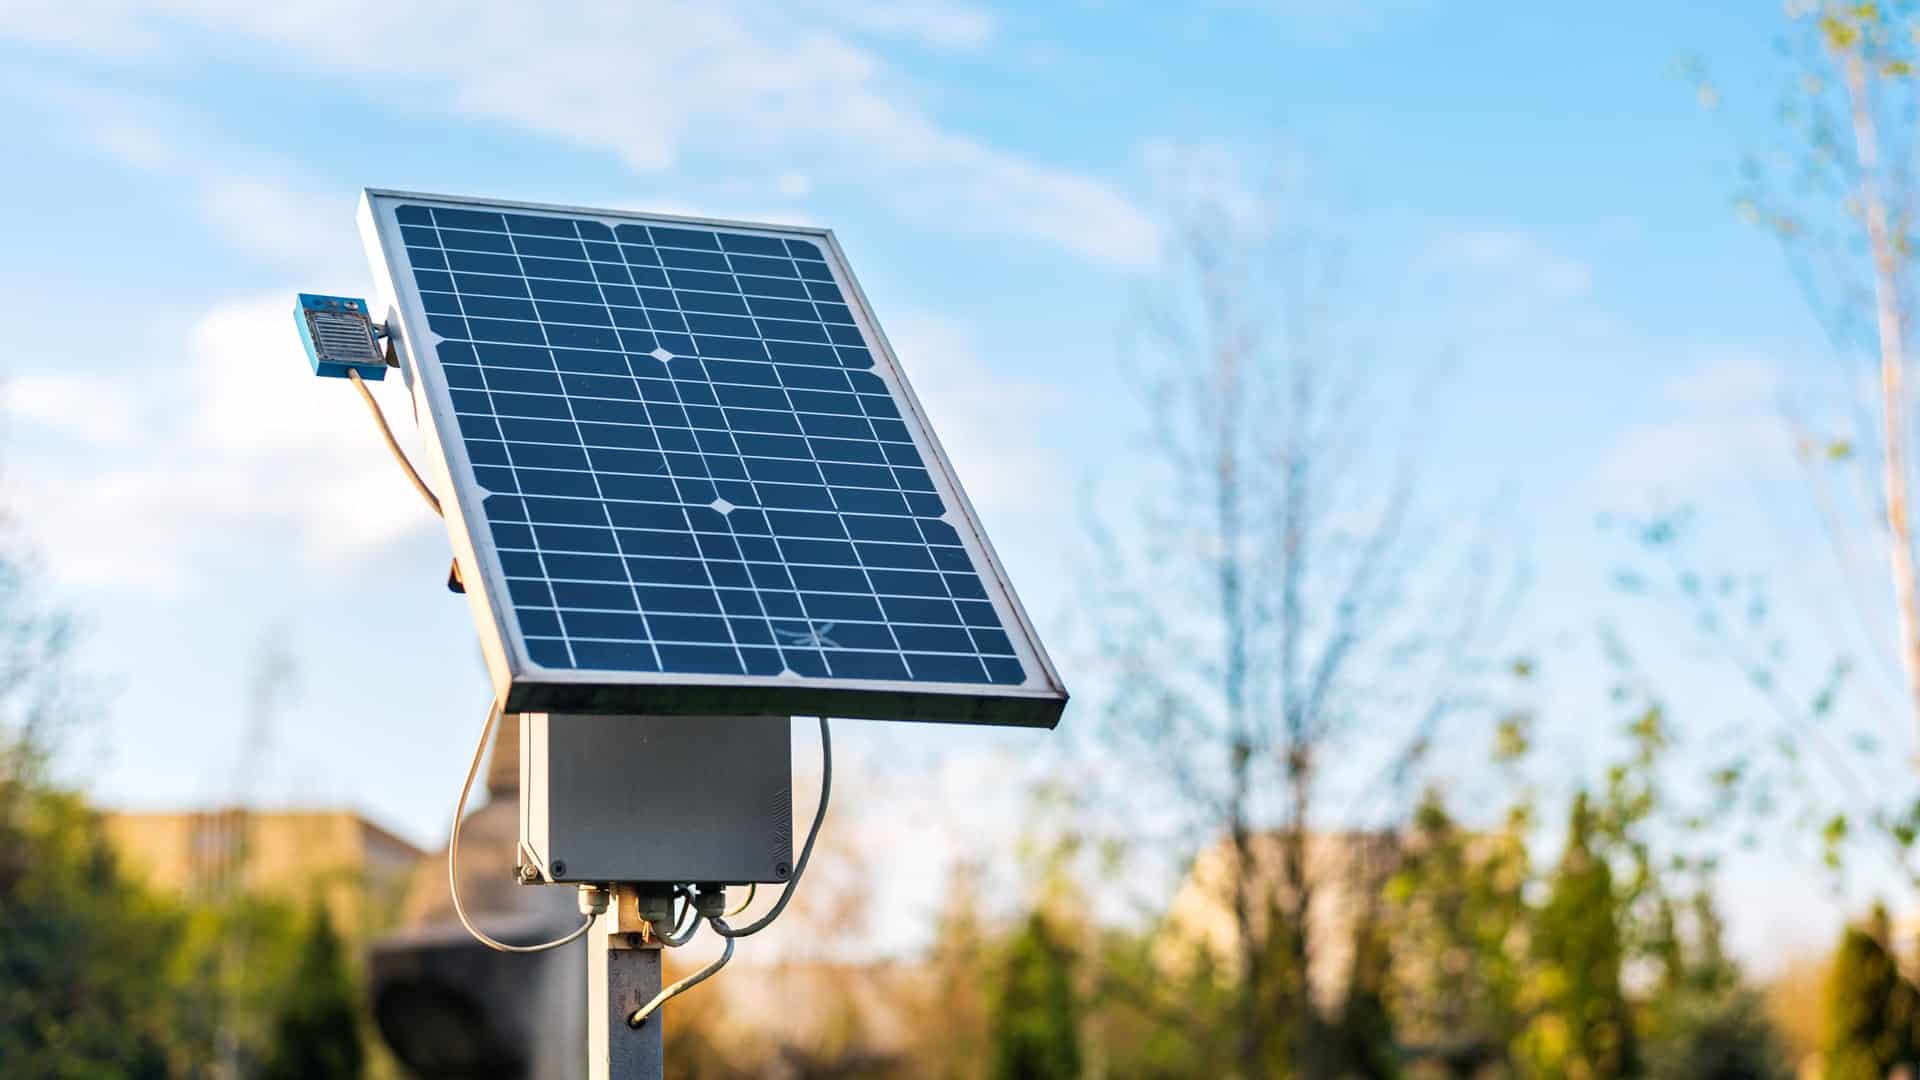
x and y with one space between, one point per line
657 799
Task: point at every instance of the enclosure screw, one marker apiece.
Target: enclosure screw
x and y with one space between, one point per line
781 869
559 868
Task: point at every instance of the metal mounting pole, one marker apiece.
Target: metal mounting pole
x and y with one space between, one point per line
623 973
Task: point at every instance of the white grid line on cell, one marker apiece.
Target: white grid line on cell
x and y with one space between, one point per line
795 411
565 643
700 448
733 532
606 513
615 328
894 637
719 600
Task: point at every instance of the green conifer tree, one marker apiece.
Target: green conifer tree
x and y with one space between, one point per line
1036 1021
1702 1021
1363 1030
1458 914
1870 1008
1584 1027
317 1032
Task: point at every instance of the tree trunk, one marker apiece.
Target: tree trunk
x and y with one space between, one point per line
1891 329
1250 1040
1297 886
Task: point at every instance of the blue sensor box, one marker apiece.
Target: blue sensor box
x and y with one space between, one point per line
339 336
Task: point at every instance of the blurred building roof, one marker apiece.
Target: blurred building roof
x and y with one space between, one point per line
358 867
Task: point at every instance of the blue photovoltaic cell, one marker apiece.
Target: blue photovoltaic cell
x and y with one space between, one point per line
690 465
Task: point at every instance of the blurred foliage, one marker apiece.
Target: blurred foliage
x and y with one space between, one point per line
228 968
1471 961
1581 1025
1461 925
1469 958
80 944
1152 1018
1837 189
1702 1021
1362 1040
1491 945
1036 1022
1782 763
1724 1036
316 1027
1873 1011
80 947
101 977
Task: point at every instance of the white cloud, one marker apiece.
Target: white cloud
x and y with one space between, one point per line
87 23
1680 458
92 408
226 450
223 446
1722 424
658 83
792 185
254 204
928 22
988 420
241 449
1512 254
1331 21
278 223
1219 177
158 476
1731 382
128 129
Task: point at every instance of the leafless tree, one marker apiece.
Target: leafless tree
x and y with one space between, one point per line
1284 630
1840 197
1839 194
39 699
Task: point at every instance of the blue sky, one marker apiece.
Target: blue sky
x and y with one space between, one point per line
1533 204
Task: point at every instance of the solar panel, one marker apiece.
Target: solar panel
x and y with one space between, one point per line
688 475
